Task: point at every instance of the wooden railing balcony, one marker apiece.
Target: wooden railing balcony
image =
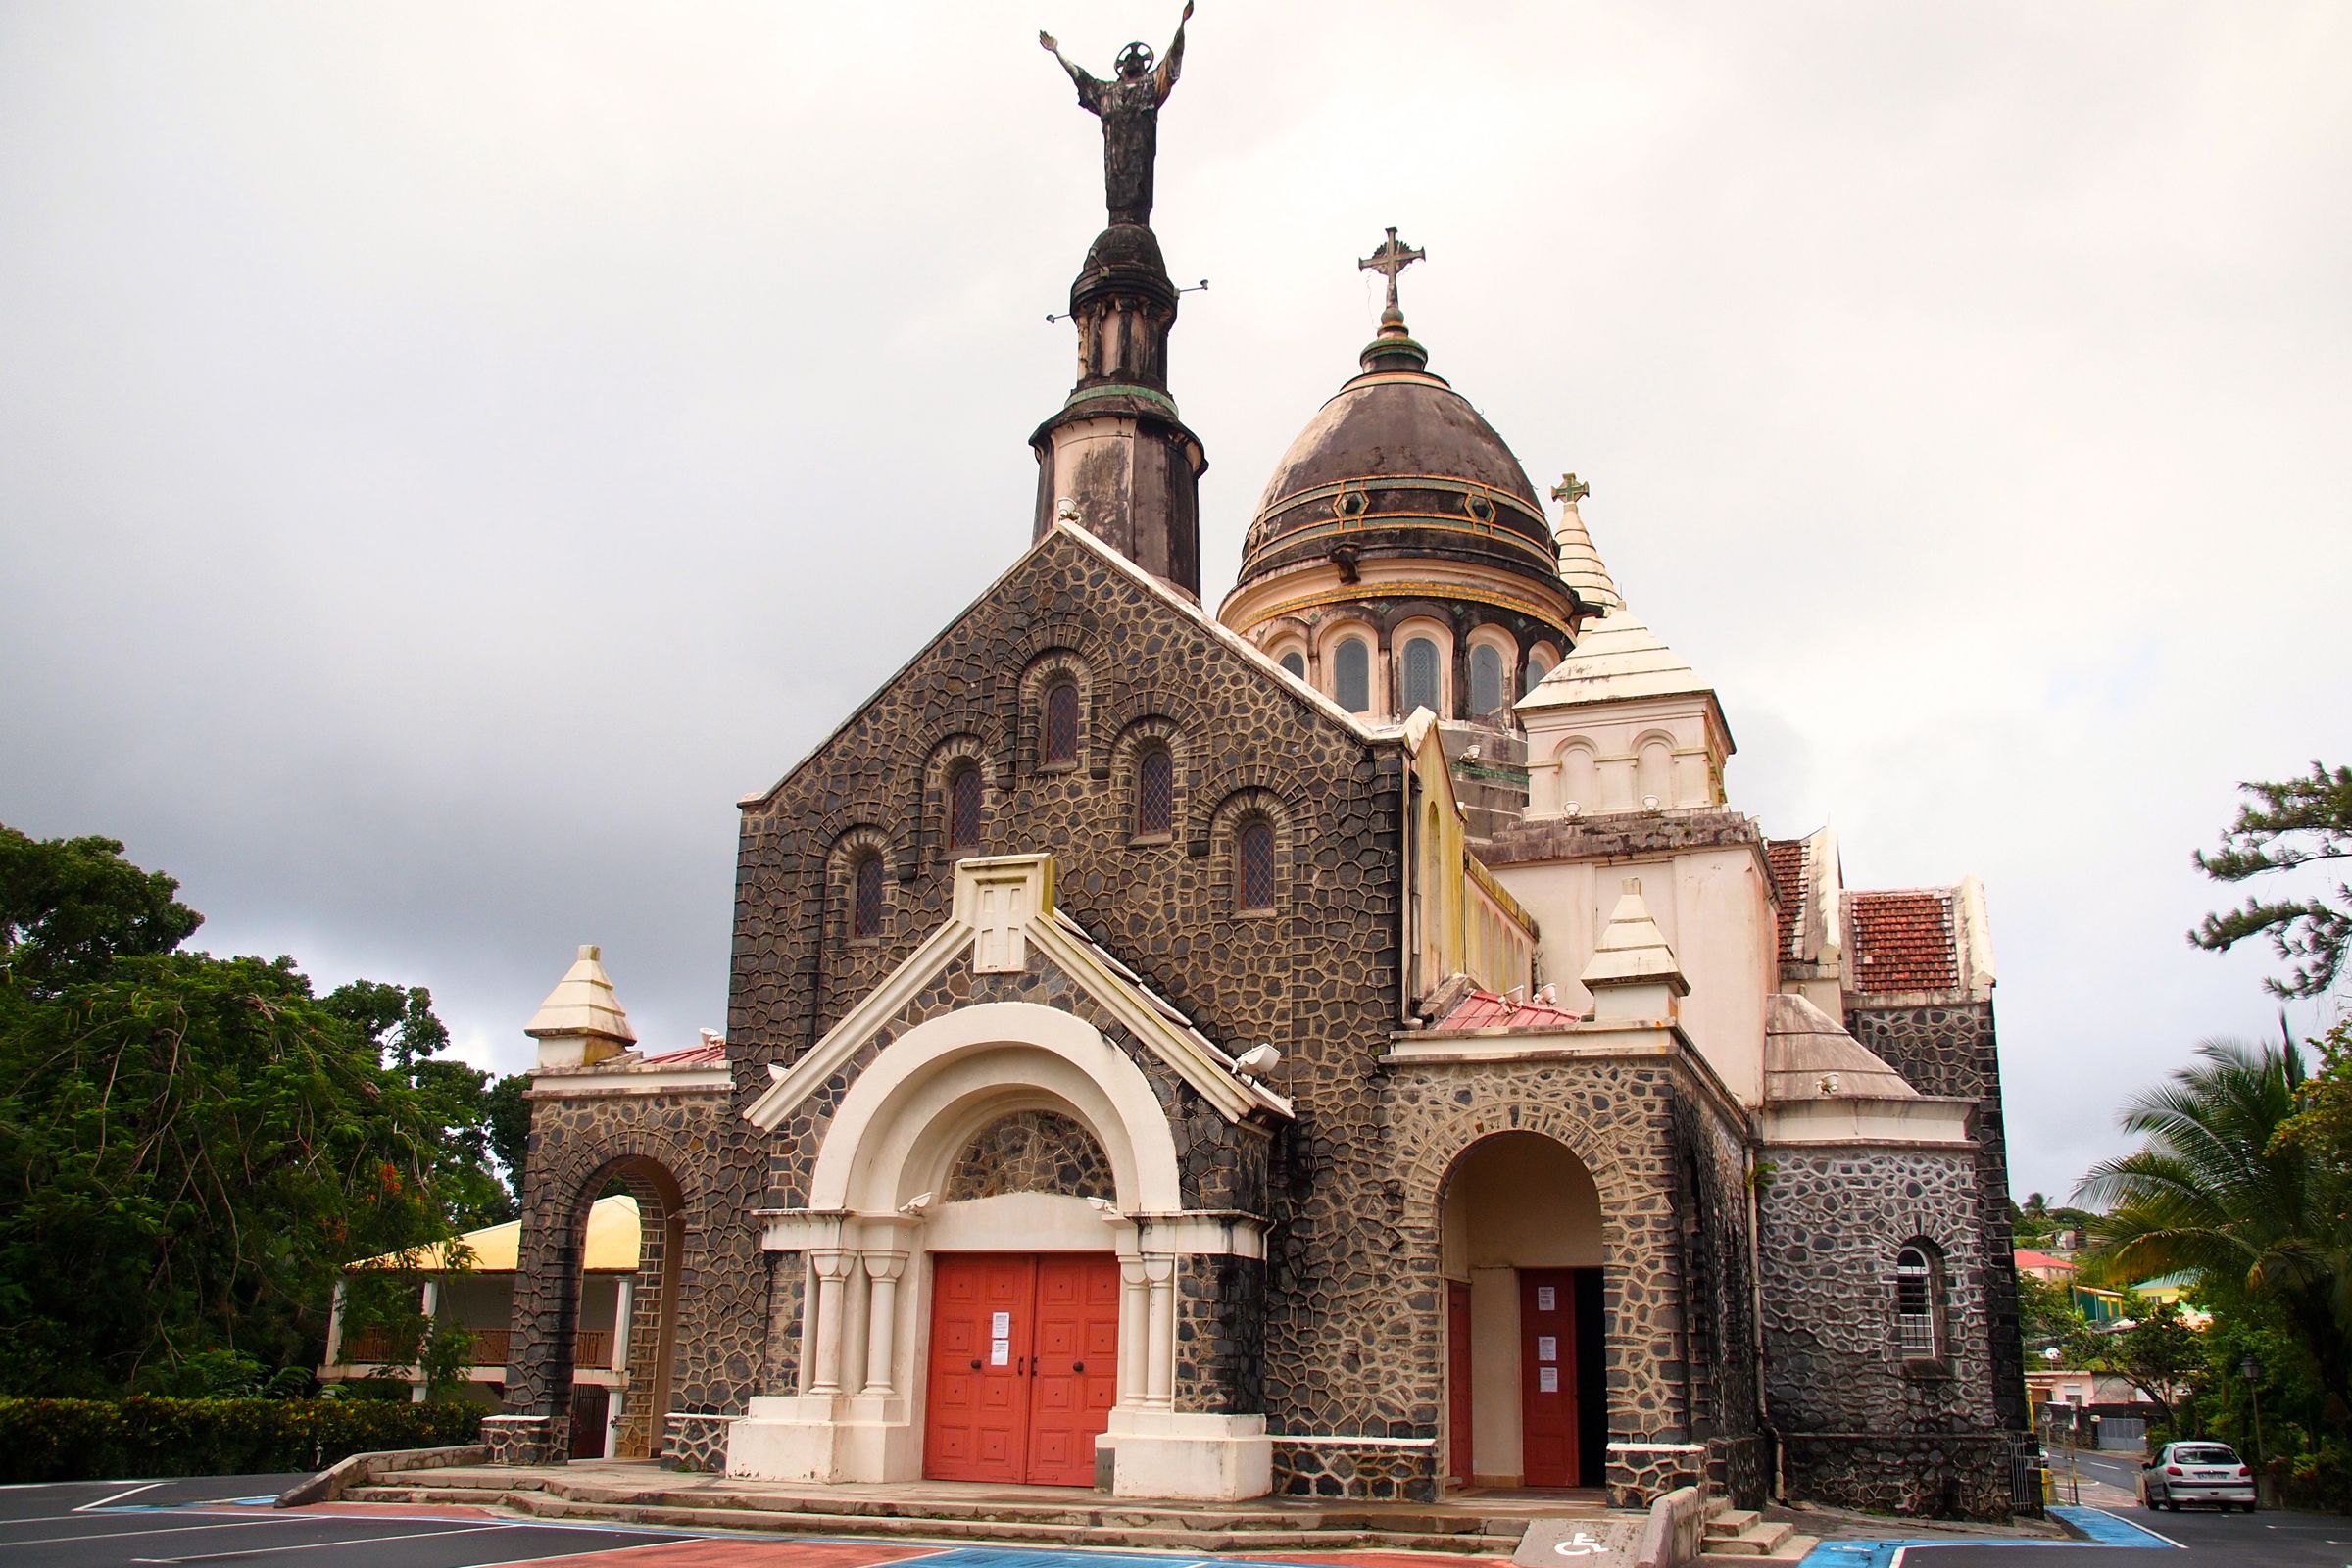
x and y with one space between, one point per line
590 1347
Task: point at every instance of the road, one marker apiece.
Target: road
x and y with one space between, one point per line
121 1524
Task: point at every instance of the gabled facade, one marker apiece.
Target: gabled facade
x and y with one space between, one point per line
1345 1046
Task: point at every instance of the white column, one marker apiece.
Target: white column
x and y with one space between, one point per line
1159 1373
432 1305
334 1321
624 1304
832 1268
1135 1331
882 1270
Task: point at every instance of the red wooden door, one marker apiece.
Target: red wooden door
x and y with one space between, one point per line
1073 1367
1457 1383
1547 1434
1025 1366
975 1418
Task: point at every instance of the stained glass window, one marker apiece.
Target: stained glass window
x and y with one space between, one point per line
1061 722
1420 677
1295 662
1486 679
1351 675
964 807
1537 670
865 904
1256 868
1155 791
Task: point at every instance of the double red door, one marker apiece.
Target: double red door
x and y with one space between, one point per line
1025 1366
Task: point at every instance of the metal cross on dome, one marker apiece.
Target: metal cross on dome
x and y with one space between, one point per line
1390 259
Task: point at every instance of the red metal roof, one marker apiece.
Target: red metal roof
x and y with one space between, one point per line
1786 858
1903 941
1484 1010
2028 1258
710 1056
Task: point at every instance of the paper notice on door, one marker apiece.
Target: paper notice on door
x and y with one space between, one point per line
1547 1298
1547 1380
1000 1352
1000 1325
1548 1348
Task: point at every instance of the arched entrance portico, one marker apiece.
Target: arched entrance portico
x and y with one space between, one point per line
1521 1249
973 1312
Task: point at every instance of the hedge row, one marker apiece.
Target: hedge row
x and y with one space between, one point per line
86 1440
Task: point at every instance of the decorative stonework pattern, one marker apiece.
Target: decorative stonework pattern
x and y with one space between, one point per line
1943 1475
520 1440
1954 1051
1830 1222
1032 1151
697 1442
1638 1477
1740 1468
1331 1470
1220 1335
678 1153
1711 1203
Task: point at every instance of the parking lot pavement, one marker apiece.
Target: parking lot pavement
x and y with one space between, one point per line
2195 1537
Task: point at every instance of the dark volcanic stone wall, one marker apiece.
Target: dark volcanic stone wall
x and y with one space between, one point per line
1319 976
1842 1398
1719 1319
1031 1151
1953 1050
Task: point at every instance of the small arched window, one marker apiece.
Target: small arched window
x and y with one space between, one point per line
1486 680
1253 867
1295 662
1061 722
1351 675
1538 666
865 897
1154 792
1918 1289
1420 677
964 807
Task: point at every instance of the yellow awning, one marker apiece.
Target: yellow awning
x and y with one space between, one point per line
498 1249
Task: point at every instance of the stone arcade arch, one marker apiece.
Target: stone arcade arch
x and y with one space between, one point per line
880 1226
1521 1248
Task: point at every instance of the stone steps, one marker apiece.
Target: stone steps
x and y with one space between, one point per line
1744 1535
1168 1527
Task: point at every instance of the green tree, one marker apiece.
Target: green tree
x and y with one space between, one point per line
2286 824
190 1147
2216 1189
508 1115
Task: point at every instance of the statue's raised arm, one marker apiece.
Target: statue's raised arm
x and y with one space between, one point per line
1090 90
1164 78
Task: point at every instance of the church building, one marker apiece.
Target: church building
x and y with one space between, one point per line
1340 1044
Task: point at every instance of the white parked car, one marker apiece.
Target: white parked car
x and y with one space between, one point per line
2196 1472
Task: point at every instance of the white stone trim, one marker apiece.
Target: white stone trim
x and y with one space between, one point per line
546 1085
827 1056
1336 1441
1656 1448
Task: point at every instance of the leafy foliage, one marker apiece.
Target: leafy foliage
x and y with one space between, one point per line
76 1440
2216 1189
191 1147
2286 824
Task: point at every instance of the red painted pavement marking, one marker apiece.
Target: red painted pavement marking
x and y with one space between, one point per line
402 1510
1383 1559
737 1552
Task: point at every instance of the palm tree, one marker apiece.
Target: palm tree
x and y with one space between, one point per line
2214 1189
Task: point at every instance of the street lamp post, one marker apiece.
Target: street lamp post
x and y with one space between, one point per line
2253 1374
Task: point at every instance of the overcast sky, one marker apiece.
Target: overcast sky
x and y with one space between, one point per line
448 454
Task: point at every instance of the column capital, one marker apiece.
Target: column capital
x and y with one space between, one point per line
885 1265
832 1263
1159 1267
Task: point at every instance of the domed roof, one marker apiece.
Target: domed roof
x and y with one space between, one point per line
1397 466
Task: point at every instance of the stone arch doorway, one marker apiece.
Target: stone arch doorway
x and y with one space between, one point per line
614 1348
1521 1251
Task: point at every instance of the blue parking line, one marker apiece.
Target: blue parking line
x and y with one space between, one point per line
2096 1526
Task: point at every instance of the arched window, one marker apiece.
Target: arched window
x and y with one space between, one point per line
865 898
1420 677
964 807
1918 1293
1486 680
1351 675
1155 792
1061 722
1295 662
1253 867
1538 666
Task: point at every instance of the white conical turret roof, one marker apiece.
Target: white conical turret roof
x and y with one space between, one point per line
582 1003
1633 950
1615 656
1581 565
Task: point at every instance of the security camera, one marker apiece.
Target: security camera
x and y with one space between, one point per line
1259 1060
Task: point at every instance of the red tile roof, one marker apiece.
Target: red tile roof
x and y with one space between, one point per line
1903 941
1484 1010
1786 858
707 1055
